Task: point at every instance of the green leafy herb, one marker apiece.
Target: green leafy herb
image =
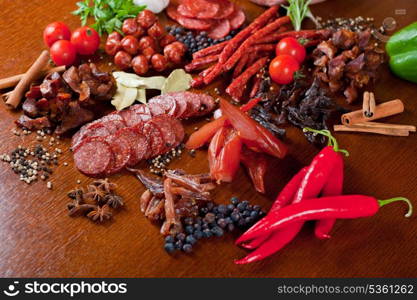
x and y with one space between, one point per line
298 10
108 14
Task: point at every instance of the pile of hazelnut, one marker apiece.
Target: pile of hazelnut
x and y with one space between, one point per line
145 46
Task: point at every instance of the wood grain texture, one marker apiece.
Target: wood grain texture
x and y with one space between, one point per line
38 239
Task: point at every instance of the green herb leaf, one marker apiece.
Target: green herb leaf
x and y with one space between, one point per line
298 10
108 14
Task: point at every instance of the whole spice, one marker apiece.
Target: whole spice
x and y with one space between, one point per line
100 214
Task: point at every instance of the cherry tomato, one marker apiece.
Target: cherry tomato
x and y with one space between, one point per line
282 69
146 18
86 40
63 53
54 32
130 44
290 46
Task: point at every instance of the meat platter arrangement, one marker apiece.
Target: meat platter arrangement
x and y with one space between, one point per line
276 74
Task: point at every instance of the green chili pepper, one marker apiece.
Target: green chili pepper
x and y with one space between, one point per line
402 50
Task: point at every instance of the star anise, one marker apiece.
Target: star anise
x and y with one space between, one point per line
75 208
100 214
113 200
105 185
76 194
95 193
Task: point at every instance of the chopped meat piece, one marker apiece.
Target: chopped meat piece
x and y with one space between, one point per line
29 108
327 48
33 124
344 39
74 118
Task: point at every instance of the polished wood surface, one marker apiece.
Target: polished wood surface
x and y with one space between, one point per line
38 239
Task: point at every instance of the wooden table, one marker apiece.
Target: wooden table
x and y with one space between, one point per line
38 239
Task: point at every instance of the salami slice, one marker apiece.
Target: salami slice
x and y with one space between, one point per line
194 104
189 23
164 124
167 102
113 125
181 107
237 18
156 141
93 157
226 9
139 146
94 130
220 30
121 149
200 9
178 130
143 111
156 109
207 104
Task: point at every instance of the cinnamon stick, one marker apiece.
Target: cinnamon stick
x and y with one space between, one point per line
372 104
23 85
383 110
410 128
12 81
377 130
365 105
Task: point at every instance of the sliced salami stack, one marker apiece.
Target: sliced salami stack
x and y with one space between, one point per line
218 17
124 138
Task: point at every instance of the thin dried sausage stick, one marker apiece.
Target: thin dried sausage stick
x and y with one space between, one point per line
253 38
240 65
201 62
215 49
302 34
236 88
243 34
256 84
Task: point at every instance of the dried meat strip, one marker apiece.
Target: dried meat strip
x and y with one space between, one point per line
231 62
237 87
215 49
202 62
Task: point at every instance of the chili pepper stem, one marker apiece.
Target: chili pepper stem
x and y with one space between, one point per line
332 139
388 201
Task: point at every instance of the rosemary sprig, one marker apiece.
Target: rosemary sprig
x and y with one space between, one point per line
108 14
297 10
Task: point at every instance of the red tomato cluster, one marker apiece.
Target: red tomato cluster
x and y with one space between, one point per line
64 46
145 45
290 55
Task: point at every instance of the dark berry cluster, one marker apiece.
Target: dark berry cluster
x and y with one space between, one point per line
214 220
195 41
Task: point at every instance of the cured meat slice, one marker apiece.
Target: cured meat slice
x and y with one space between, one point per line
113 126
114 116
156 109
93 156
167 102
130 117
154 135
200 9
163 122
178 130
94 130
226 9
121 149
237 18
143 111
189 23
207 104
194 104
139 145
181 107
220 30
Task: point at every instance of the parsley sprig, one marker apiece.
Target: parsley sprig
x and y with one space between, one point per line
108 14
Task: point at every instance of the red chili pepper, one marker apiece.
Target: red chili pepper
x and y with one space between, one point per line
310 187
206 132
284 198
336 207
253 134
347 207
333 187
256 164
